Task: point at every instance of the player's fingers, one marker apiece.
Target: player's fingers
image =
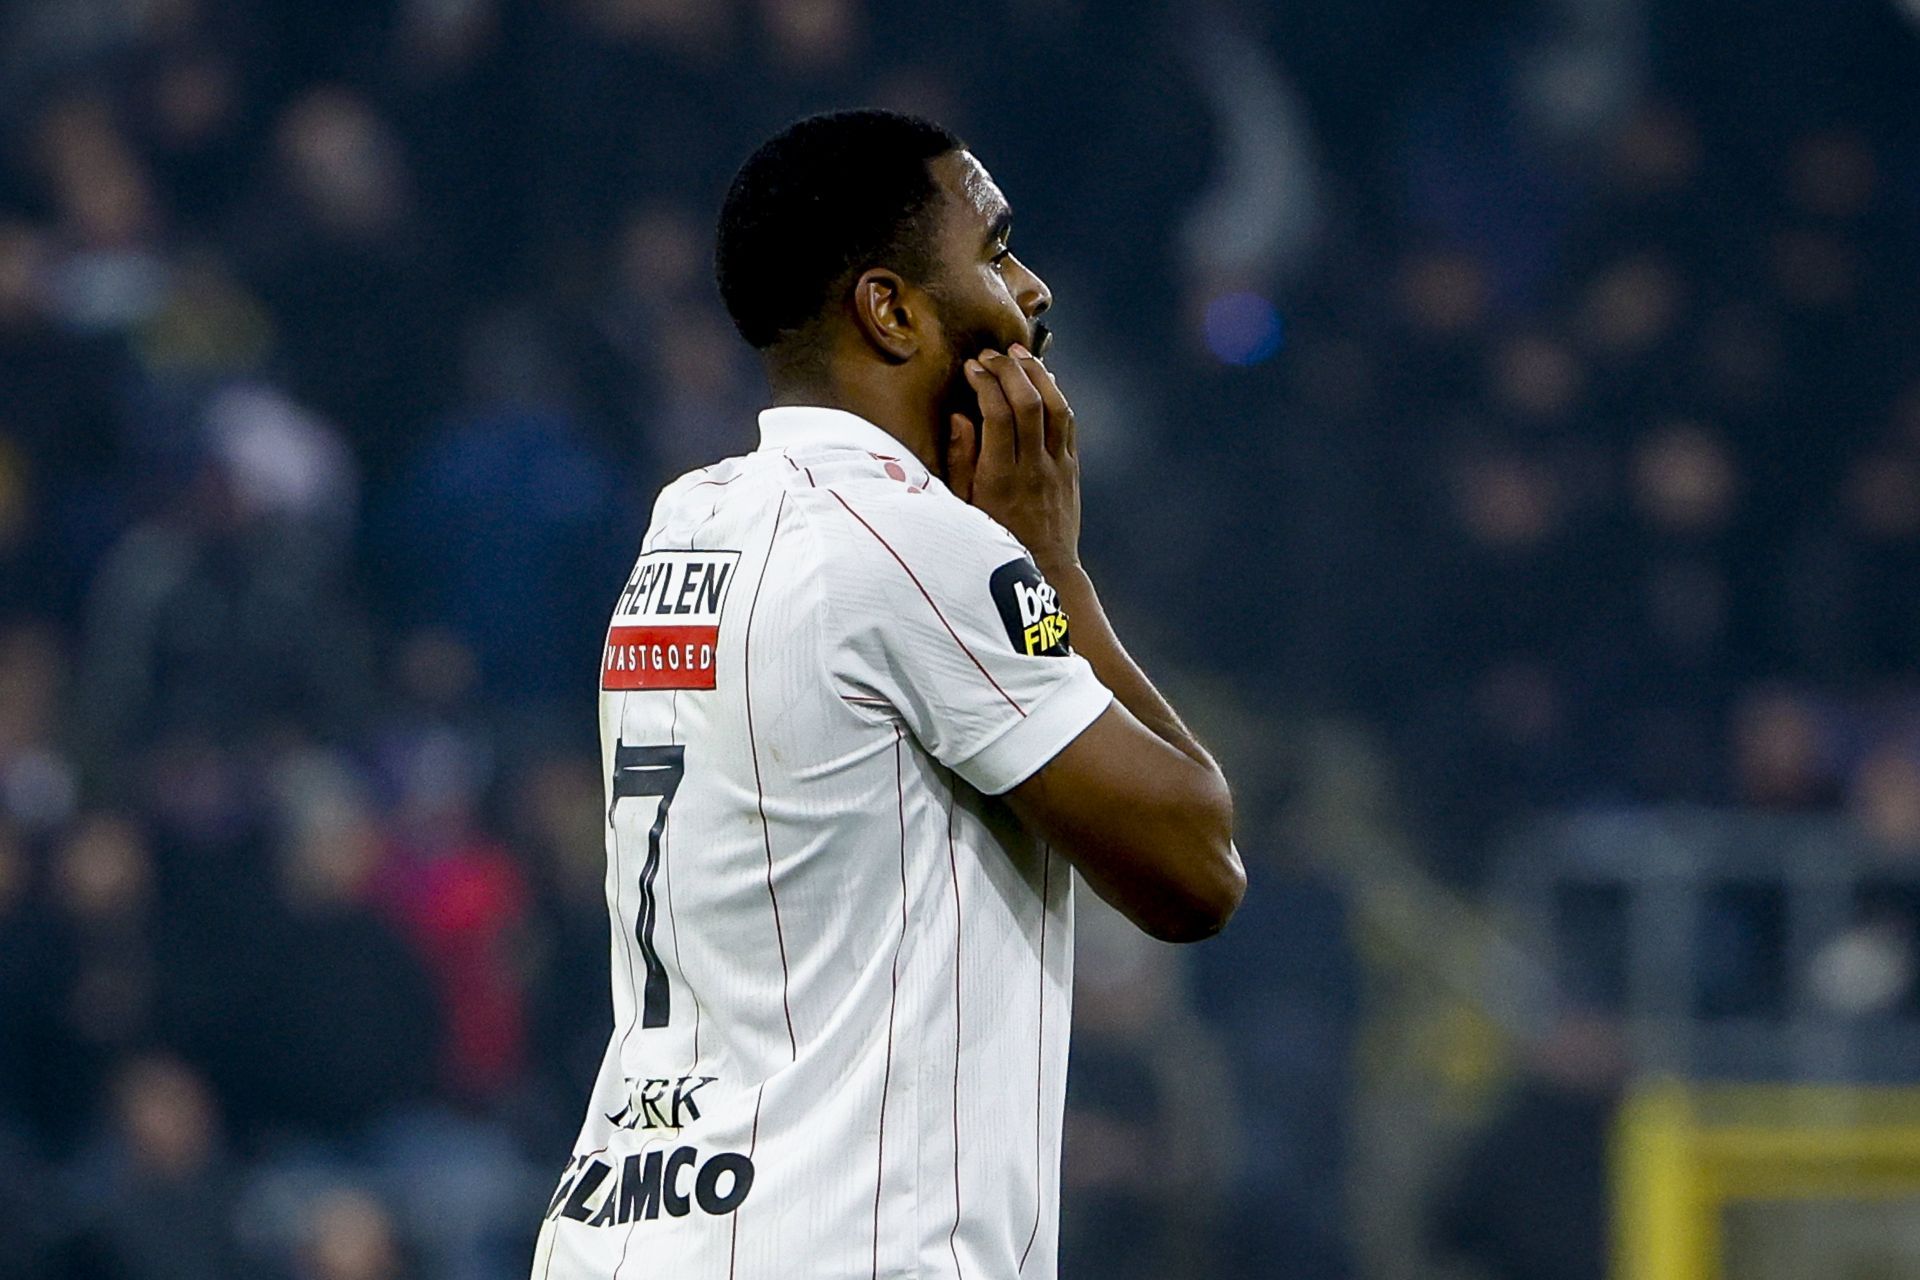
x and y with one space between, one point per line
1059 412
963 444
1029 410
996 419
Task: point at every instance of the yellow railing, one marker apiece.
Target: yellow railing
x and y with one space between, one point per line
1685 1152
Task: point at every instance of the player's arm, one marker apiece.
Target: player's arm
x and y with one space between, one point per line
1135 801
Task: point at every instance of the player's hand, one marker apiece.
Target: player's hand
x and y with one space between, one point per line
1019 464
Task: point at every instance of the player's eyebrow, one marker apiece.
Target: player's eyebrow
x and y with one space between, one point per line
1001 227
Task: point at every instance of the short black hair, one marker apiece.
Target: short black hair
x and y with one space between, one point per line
828 197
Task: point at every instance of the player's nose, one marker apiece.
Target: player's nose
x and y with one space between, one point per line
1034 297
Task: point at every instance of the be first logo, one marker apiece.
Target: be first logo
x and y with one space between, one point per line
666 625
1030 609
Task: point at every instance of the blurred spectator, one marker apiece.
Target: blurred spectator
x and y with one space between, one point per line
21 970
1527 1199
1885 801
1537 379
83 977
350 1237
1151 1115
809 47
228 608
61 399
38 786
166 1205
355 282
557 810
110 274
534 559
32 1227
1781 757
208 327
1683 595
1870 968
189 99
457 895
1289 1042
350 1021
1630 307
1854 609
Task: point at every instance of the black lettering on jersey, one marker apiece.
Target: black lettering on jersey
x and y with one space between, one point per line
706 1189
651 1181
640 1187
583 1190
566 1185
683 1098
662 579
679 1204
1030 608
716 590
674 584
660 1102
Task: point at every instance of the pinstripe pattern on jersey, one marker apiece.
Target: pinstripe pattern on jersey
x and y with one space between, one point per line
959 932
886 1076
759 786
928 597
1040 1054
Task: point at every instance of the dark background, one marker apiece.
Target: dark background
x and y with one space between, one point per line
1491 409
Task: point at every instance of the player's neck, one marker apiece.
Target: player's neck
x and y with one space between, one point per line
909 423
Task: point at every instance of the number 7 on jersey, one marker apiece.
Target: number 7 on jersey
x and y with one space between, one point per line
648 771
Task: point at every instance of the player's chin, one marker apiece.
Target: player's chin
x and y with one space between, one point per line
1034 336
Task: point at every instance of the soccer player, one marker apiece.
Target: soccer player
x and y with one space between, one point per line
854 751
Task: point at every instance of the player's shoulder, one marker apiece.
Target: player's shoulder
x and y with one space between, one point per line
707 500
697 482
864 504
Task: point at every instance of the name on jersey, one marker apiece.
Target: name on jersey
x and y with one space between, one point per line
1030 609
663 1102
666 625
679 1181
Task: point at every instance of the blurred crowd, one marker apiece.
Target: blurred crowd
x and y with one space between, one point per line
1533 386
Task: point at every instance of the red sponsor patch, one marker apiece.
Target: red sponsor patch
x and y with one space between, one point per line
660 657
666 625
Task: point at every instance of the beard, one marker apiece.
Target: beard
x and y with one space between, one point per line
965 343
956 395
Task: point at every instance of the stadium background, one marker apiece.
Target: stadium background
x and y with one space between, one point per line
1503 436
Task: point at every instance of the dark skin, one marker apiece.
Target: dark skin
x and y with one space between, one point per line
949 368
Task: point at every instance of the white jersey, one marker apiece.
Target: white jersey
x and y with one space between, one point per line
841 971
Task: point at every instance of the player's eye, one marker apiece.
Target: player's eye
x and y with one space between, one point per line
999 259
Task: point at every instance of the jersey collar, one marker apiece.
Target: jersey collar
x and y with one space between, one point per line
788 425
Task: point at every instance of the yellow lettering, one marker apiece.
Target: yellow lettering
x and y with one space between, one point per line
1045 634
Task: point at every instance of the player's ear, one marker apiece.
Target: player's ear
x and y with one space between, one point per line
887 314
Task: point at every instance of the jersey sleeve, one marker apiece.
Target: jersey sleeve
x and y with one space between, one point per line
940 615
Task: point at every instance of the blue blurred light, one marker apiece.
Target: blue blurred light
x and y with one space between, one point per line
1243 328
